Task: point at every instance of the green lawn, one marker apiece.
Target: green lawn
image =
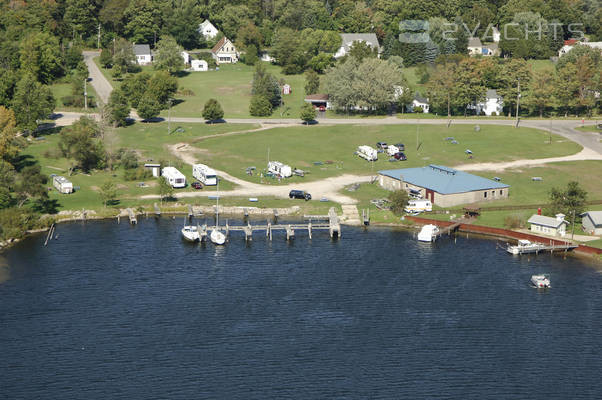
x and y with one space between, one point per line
589 128
60 90
302 146
541 65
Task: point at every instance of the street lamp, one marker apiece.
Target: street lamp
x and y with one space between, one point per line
169 116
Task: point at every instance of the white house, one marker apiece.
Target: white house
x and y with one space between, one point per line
567 47
143 54
186 57
475 47
496 35
224 51
548 225
419 101
318 100
493 103
349 38
199 65
207 29
491 49
592 222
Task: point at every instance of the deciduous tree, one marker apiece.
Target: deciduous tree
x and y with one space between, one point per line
79 142
119 108
148 107
312 82
308 113
8 135
108 192
213 110
168 55
32 102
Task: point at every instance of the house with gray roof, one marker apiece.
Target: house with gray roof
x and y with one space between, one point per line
419 101
475 47
551 226
443 186
592 222
348 39
143 54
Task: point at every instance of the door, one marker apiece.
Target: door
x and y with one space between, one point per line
430 195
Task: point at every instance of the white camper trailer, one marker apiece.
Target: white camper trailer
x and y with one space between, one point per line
418 206
392 150
62 184
367 153
279 169
174 177
204 174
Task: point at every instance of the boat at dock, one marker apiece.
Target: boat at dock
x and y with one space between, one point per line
540 281
428 233
217 236
190 233
525 247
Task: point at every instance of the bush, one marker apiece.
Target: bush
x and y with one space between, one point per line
213 110
399 200
514 222
260 107
137 174
418 110
77 101
185 92
148 107
128 158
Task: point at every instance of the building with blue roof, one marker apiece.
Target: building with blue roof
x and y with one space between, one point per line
443 186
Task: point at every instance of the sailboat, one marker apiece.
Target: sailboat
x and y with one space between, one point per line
190 232
216 236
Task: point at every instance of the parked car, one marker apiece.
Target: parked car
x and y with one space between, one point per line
400 156
196 185
322 108
381 145
299 194
400 146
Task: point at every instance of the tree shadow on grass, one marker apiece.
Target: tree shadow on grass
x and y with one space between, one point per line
22 161
46 206
113 202
181 74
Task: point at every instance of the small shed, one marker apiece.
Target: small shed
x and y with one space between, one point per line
548 225
592 222
199 65
156 168
286 89
143 54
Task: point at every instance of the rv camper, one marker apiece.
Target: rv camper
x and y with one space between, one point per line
204 174
62 184
418 206
367 153
392 150
174 177
279 169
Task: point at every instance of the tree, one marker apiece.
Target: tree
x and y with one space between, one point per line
338 83
566 87
79 142
165 189
512 72
134 87
260 106
162 86
123 55
168 55
118 106
321 62
308 113
32 102
40 56
213 110
312 82
108 192
148 107
8 135
31 184
288 52
569 201
399 201
142 19
442 86
80 16
250 57
182 25
361 50
106 58
540 92
266 85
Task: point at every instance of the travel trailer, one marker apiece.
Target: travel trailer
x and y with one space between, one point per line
279 169
368 153
392 150
62 184
174 177
419 206
204 174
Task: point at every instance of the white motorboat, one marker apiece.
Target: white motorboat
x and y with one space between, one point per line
428 233
217 237
190 233
540 281
524 247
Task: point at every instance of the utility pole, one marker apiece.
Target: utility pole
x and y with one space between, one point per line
98 40
518 104
551 129
86 93
169 118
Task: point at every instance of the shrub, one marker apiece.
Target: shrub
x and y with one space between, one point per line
513 222
418 109
399 200
260 107
185 92
213 110
137 174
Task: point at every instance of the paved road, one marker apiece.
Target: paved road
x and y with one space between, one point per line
99 82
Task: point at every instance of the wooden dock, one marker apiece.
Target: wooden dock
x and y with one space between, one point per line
543 248
332 225
448 229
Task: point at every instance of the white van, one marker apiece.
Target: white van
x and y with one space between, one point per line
174 177
279 169
204 174
62 184
418 206
367 153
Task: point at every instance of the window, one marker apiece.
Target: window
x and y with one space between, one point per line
493 193
485 194
501 192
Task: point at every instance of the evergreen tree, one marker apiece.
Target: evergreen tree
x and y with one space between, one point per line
260 106
213 110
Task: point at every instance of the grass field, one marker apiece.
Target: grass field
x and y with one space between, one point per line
60 90
589 128
301 146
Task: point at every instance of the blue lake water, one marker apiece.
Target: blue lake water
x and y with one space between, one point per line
133 312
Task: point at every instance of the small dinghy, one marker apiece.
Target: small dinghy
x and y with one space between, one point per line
540 281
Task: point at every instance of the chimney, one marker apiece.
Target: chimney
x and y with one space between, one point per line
560 217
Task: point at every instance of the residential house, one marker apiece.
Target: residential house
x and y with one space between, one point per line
225 52
492 105
548 225
318 100
348 39
207 29
568 47
199 65
490 49
592 222
443 186
143 54
418 101
475 47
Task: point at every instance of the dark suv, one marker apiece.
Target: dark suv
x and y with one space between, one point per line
299 194
400 156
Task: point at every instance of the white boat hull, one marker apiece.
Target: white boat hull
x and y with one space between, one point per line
217 237
540 281
428 233
190 234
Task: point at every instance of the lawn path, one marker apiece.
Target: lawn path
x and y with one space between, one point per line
583 155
